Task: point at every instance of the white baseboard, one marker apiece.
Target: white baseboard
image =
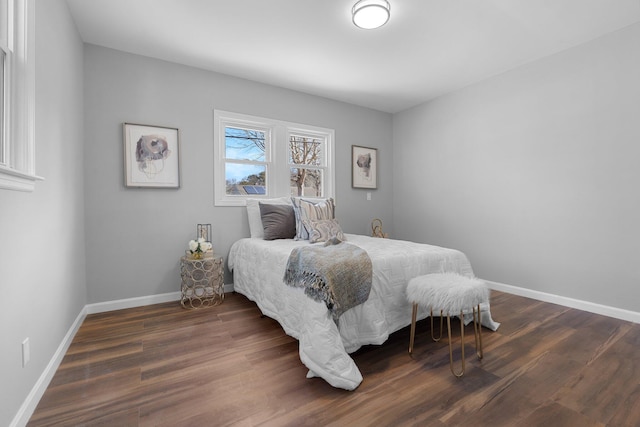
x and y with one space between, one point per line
31 402
101 307
591 307
120 304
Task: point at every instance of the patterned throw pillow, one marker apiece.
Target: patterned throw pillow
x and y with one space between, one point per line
311 209
321 230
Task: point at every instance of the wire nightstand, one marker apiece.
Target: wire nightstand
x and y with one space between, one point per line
202 282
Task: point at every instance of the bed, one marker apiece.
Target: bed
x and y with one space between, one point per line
258 268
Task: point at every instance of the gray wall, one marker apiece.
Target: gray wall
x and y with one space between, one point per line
534 173
135 237
42 273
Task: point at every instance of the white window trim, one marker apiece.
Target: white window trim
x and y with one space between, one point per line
278 174
18 172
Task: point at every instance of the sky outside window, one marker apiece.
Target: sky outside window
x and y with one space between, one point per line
246 145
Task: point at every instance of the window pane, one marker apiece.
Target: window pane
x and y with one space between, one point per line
244 144
305 150
2 102
306 182
4 23
243 179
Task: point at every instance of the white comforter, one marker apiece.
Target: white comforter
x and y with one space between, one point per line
258 268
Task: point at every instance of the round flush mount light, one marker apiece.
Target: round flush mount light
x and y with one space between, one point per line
370 14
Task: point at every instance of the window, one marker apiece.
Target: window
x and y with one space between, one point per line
17 95
247 157
307 164
257 157
4 49
3 55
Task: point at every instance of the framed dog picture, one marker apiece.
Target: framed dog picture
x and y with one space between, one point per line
151 156
364 167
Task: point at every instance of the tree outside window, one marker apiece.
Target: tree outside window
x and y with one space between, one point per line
256 157
245 166
304 153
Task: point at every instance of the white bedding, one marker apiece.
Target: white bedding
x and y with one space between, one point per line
258 269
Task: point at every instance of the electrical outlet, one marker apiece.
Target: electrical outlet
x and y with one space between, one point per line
368 196
26 352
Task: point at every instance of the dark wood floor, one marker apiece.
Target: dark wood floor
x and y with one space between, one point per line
162 365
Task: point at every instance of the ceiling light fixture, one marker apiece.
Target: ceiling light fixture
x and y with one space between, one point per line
370 14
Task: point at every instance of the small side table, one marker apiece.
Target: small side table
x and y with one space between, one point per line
202 282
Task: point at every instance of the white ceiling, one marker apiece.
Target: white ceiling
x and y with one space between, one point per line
428 47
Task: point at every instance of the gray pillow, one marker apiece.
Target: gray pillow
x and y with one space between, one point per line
278 221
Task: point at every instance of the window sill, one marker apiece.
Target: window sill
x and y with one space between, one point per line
11 179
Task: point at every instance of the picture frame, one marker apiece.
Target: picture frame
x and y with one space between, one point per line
364 167
151 156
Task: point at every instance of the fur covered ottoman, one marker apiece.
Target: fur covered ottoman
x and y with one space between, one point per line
450 294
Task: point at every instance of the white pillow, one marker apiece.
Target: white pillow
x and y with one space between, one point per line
253 213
